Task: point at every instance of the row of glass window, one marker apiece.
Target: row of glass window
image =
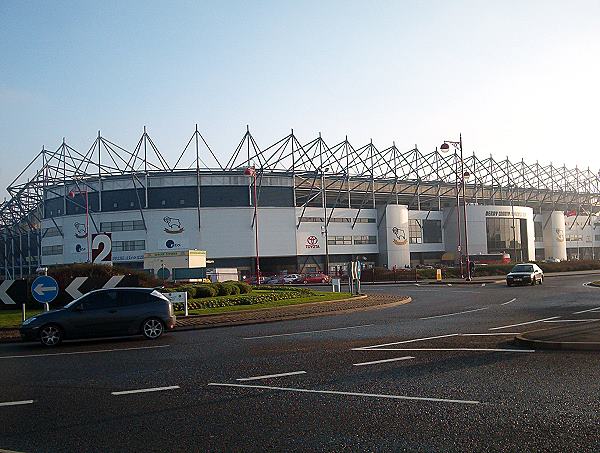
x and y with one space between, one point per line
123 225
337 219
52 250
128 246
347 240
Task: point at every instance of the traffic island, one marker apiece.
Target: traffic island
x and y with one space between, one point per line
299 311
582 337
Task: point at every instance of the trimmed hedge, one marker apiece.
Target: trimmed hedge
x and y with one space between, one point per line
244 299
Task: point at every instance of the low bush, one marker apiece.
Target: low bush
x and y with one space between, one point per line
205 291
232 289
244 287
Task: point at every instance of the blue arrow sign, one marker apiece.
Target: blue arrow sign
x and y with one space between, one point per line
44 289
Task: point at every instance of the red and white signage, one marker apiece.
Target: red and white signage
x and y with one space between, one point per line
312 242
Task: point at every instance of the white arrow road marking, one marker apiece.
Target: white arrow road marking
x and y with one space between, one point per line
5 298
113 281
40 289
73 288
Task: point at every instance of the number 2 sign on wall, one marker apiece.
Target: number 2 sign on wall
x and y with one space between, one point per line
102 248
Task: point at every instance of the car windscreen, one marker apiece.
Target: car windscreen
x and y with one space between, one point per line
522 268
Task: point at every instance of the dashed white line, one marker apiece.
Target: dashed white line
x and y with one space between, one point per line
524 323
16 403
395 359
405 341
586 311
153 389
267 376
307 332
82 352
509 302
334 392
454 314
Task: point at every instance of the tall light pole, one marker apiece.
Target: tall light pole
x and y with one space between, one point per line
445 147
251 171
87 217
323 170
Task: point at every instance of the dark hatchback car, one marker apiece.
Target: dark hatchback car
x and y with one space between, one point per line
103 313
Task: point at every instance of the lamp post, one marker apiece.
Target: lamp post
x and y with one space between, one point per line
445 147
323 170
87 217
251 171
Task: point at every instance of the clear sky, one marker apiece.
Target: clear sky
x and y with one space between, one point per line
517 78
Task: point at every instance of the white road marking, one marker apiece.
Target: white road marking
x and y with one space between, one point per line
572 320
487 334
509 302
154 389
483 284
586 311
408 357
267 376
82 352
454 314
405 341
333 392
307 332
16 403
451 349
524 323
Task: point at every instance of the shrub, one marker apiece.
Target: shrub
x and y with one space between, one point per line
244 287
232 289
205 291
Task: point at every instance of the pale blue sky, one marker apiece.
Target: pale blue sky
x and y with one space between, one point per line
517 78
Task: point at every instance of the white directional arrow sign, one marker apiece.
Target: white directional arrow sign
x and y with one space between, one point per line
5 298
73 288
113 281
41 289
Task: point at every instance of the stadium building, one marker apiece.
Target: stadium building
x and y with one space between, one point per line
317 205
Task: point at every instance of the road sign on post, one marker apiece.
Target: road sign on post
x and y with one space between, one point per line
44 289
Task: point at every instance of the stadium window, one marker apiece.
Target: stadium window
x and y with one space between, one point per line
52 250
131 204
163 202
340 240
181 202
415 231
115 205
364 240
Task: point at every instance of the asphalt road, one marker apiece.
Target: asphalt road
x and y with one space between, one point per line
438 374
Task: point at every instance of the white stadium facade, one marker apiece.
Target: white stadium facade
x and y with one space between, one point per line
316 204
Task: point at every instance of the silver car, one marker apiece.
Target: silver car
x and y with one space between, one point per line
525 274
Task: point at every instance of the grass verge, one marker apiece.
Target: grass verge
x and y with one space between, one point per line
12 318
319 296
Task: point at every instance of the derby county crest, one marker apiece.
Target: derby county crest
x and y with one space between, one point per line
400 236
173 226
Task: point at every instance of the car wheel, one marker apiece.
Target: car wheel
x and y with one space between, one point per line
322 280
541 280
51 335
508 284
152 328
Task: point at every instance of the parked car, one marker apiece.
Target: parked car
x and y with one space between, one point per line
103 313
552 260
253 281
291 278
315 278
525 274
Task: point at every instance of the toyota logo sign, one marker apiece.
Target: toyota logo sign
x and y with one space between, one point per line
312 242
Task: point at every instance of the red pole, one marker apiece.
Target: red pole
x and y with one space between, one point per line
87 223
256 232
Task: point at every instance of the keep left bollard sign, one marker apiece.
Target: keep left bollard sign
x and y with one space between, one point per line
44 289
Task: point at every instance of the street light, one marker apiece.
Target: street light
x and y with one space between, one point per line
72 194
323 170
251 171
445 147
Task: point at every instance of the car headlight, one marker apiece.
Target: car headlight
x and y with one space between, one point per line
29 320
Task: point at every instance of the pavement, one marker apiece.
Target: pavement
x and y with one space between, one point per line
442 373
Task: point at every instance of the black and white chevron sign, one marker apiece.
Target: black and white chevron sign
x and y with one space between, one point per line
13 293
81 285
